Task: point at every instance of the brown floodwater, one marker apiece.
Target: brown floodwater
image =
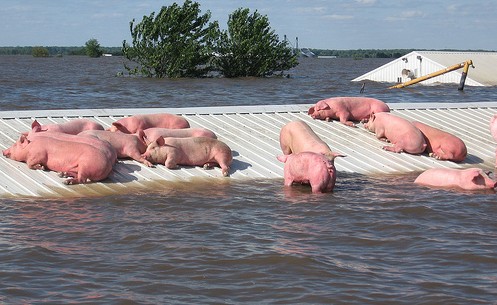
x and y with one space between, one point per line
374 240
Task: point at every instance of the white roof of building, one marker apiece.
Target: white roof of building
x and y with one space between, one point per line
252 132
425 62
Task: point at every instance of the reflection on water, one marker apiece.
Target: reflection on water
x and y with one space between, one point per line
375 239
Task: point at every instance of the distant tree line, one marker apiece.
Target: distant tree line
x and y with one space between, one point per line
58 51
378 53
117 51
363 53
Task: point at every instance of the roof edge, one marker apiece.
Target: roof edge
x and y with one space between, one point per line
213 110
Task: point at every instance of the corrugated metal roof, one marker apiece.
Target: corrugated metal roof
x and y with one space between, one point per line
483 73
252 132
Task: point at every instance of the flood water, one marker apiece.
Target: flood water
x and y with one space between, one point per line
374 240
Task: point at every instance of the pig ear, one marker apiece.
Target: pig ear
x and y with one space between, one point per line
35 126
120 127
160 141
23 140
476 176
141 134
311 110
321 105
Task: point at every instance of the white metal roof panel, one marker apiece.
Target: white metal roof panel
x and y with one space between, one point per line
483 73
252 132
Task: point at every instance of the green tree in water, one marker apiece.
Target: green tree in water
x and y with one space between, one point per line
250 48
175 43
40 52
93 48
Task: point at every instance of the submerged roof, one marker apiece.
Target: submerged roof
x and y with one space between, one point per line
252 132
421 63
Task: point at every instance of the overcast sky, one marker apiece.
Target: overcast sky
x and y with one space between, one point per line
320 24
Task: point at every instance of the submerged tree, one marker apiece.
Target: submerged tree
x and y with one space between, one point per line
175 43
93 48
250 48
40 52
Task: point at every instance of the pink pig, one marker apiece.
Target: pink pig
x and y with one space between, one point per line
143 121
152 134
80 162
468 179
442 145
72 127
347 109
399 131
126 145
309 168
297 137
193 151
103 146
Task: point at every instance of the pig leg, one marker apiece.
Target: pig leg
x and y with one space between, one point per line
138 157
79 175
316 187
288 179
68 174
222 164
224 161
37 166
72 180
170 162
344 119
225 168
394 148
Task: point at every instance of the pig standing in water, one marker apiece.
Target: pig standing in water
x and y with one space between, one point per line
309 168
72 127
80 162
442 145
347 109
400 132
143 121
198 151
126 145
152 134
468 179
297 137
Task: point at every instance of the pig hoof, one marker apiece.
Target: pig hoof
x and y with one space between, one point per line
225 172
38 166
208 166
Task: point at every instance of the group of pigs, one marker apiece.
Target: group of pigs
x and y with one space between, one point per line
309 160
82 151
